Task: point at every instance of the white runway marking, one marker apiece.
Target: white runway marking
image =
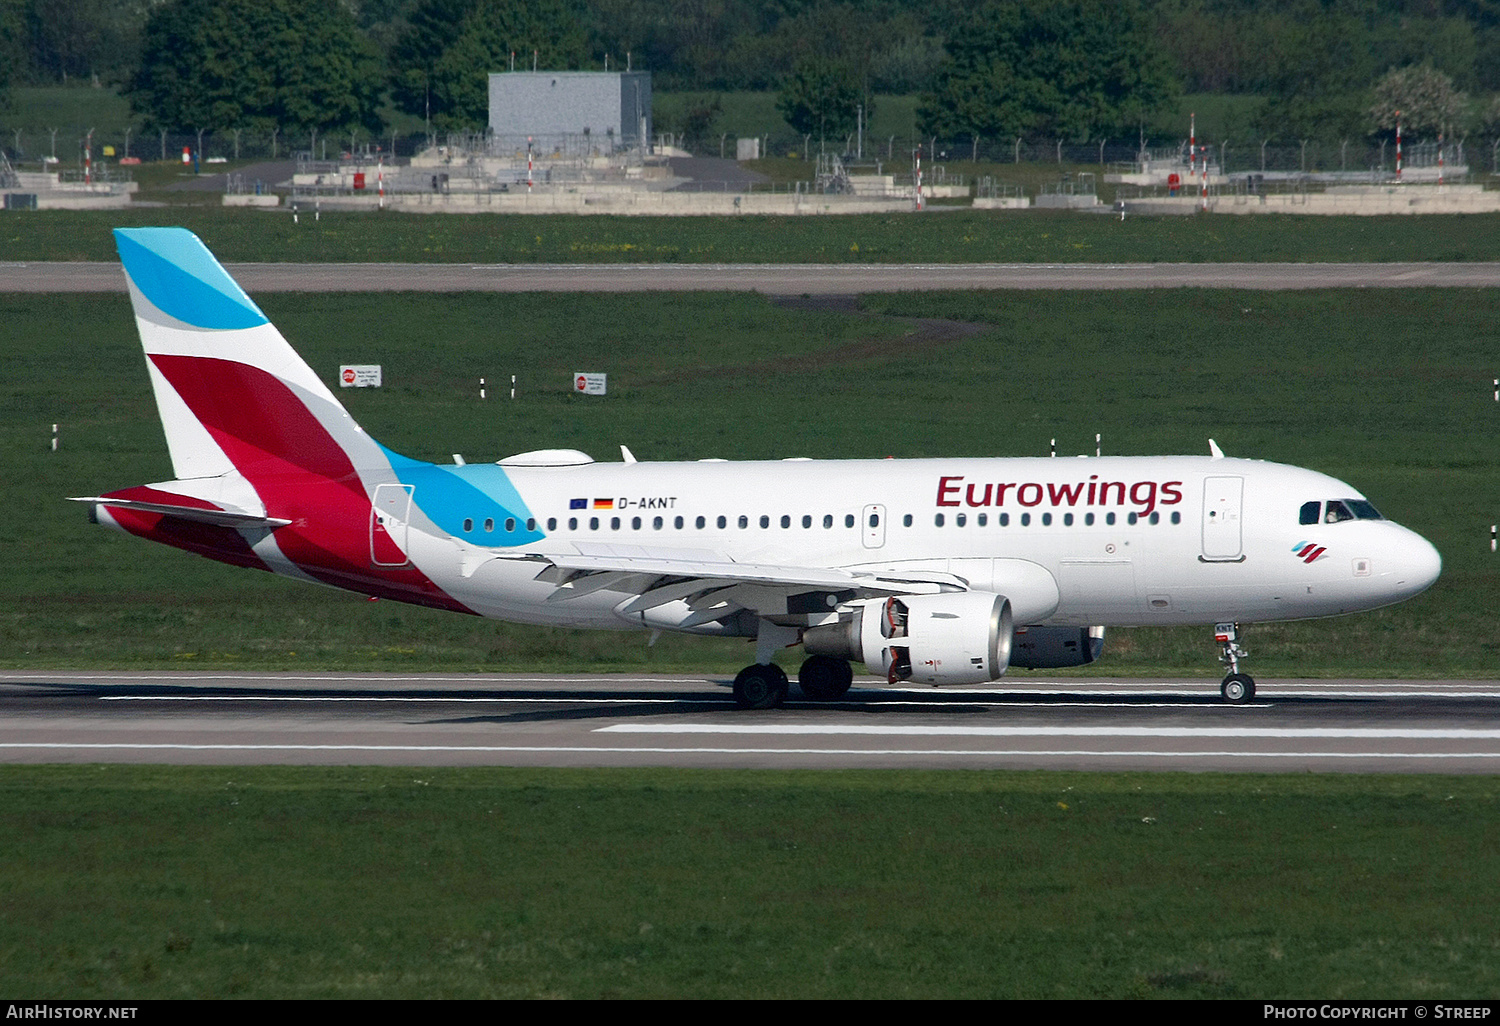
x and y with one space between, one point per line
1041 731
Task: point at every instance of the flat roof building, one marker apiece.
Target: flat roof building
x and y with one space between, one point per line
555 108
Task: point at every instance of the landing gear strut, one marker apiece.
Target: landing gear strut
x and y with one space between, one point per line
1237 688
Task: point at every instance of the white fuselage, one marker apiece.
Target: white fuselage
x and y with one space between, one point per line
1112 541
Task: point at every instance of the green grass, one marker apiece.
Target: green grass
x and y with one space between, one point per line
938 237
188 882
1387 390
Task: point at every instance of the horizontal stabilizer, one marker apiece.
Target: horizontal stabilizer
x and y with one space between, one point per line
220 517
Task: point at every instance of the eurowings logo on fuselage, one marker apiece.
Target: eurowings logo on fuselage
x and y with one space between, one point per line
1309 552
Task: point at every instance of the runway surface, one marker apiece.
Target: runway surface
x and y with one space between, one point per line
774 279
1347 726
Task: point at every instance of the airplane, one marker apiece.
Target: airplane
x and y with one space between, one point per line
932 571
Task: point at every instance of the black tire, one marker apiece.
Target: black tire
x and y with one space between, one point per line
824 678
760 687
1237 689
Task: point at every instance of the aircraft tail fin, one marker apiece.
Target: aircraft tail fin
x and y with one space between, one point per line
232 393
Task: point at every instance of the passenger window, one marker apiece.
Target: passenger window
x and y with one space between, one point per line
827 520
1309 514
960 520
848 519
906 520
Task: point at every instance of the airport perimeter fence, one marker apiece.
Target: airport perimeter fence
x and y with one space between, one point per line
1236 157
29 150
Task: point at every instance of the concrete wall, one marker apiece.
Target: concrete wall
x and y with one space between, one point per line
558 103
1357 200
626 202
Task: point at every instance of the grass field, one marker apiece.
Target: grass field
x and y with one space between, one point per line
1389 391
129 882
946 236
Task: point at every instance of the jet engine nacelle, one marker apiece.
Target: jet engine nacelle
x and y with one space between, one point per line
955 638
1049 648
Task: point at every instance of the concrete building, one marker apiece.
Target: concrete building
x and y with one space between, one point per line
611 109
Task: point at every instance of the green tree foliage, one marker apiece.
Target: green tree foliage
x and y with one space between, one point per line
821 98
1317 78
1069 68
88 40
441 65
1425 97
221 64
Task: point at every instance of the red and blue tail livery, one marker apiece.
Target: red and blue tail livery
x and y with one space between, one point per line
939 571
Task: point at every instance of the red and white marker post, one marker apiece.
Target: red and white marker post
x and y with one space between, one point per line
919 176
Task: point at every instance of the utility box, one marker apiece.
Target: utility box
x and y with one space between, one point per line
747 149
555 108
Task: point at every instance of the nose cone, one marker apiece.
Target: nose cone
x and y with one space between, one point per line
1414 568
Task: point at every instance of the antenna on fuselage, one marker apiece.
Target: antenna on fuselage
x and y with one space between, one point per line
1214 450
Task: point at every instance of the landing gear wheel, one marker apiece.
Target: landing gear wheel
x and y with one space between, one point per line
1238 688
824 678
762 686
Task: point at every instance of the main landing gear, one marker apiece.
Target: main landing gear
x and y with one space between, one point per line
765 685
1237 688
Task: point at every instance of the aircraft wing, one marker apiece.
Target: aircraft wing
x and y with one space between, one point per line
714 585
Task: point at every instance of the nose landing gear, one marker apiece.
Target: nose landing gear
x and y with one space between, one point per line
1237 688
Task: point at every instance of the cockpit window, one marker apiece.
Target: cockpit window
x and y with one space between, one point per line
1340 510
1337 512
1310 513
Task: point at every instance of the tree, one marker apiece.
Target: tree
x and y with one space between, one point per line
220 64
441 65
1425 98
822 98
1070 68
